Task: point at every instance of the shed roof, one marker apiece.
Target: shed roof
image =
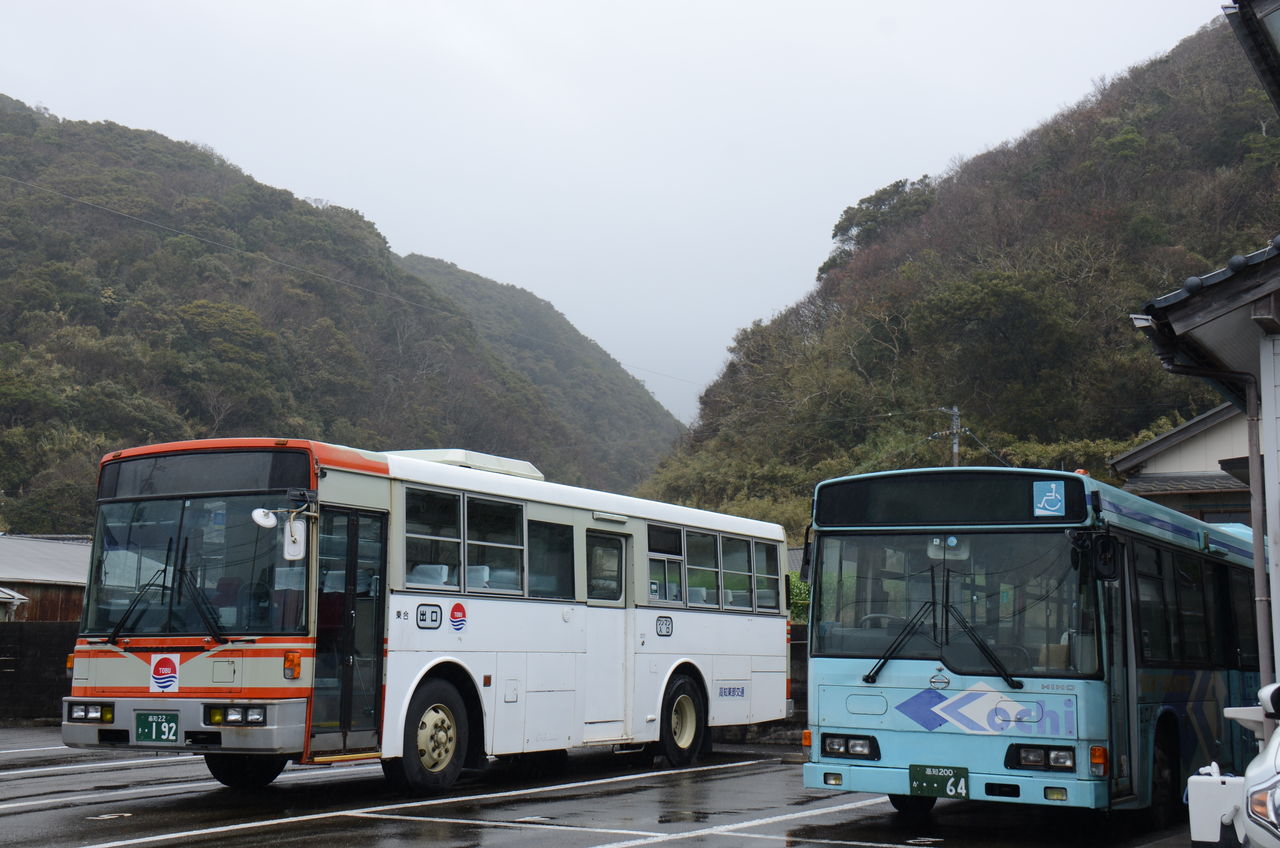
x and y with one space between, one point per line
24 559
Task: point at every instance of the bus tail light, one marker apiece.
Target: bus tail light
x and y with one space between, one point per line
292 665
1099 761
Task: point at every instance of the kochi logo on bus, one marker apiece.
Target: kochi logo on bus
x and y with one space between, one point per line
164 673
458 617
981 709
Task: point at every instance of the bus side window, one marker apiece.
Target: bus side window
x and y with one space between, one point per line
1189 581
604 567
1246 630
550 560
1155 642
433 539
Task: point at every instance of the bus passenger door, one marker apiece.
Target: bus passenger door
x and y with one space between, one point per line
1121 684
349 627
608 654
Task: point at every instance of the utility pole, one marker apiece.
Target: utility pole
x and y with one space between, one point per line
954 412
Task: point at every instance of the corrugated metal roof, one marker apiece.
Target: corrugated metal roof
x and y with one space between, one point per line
27 560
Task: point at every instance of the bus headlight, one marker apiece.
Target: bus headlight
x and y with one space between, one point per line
105 713
858 747
229 714
1040 758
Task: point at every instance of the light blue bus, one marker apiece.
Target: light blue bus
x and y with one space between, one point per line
1034 637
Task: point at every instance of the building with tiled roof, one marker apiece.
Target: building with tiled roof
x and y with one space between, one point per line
1199 468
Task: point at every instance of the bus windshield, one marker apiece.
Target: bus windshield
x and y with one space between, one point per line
196 565
1024 595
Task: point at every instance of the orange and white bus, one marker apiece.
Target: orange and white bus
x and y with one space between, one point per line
262 601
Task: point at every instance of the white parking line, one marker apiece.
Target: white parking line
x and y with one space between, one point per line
97 764
32 750
518 825
405 805
732 829
165 789
654 838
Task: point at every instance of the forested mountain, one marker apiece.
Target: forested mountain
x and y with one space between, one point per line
1003 287
611 419
153 291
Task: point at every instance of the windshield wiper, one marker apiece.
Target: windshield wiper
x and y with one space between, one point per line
199 600
984 648
142 592
908 629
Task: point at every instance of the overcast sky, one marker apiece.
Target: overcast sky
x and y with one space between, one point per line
663 171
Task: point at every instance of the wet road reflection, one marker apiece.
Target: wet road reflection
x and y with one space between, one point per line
738 796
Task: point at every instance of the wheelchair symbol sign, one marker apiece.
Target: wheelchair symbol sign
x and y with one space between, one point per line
1047 499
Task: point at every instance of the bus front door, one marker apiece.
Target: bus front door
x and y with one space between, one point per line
349 627
1121 685
608 656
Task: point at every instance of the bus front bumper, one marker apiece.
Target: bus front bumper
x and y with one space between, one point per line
172 724
1059 790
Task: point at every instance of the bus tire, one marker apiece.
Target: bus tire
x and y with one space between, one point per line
1166 795
435 738
684 722
913 806
245 771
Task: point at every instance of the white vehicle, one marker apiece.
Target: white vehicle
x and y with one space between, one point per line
267 600
1248 806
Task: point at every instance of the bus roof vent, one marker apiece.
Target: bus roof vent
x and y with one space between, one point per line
474 459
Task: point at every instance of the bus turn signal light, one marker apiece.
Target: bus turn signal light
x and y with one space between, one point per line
806 739
292 665
1099 761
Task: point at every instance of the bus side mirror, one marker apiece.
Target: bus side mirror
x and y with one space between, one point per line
1100 548
806 557
295 539
1105 562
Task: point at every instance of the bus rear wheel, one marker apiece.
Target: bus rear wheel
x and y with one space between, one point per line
684 722
435 738
245 771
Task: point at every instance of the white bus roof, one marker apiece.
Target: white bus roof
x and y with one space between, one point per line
411 467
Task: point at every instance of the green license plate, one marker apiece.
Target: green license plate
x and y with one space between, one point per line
156 727
939 781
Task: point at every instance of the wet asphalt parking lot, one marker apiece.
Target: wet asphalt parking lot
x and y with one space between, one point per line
740 795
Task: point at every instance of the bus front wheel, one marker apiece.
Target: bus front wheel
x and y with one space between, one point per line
912 806
245 771
684 721
1166 796
435 738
